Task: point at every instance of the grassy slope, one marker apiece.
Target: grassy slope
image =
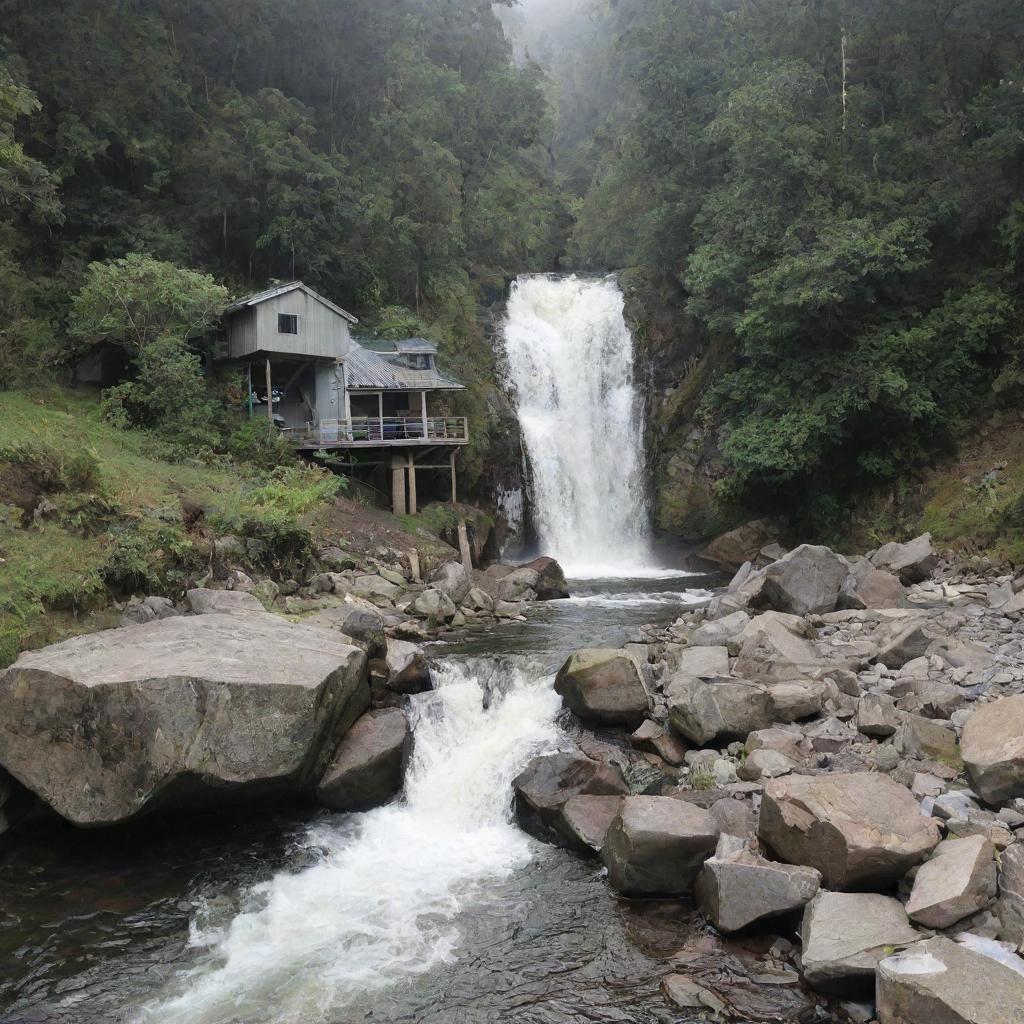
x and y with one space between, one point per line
56 567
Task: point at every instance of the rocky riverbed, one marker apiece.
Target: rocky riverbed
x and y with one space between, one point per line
828 758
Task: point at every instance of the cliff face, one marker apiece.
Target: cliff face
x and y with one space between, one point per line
676 362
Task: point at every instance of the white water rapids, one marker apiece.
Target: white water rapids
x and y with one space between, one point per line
380 904
570 357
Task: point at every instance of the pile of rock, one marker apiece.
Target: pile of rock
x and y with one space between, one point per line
834 740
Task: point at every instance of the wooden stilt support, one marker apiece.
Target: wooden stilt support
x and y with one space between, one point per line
398 485
413 510
455 493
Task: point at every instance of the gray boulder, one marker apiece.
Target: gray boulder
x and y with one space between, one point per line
765 764
180 711
229 602
453 581
806 581
408 670
477 600
877 715
718 632
1010 905
603 686
867 587
958 881
432 605
148 609
742 544
551 584
519 585
774 647
585 821
992 748
655 739
858 829
910 643
373 588
845 935
366 770
702 709
737 887
365 625
656 846
941 982
545 785
913 562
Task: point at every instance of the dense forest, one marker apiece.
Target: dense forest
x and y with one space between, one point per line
828 195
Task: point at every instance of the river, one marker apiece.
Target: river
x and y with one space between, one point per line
433 909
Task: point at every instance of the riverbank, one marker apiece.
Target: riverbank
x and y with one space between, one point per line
827 758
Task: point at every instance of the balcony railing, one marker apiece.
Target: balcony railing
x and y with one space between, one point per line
382 430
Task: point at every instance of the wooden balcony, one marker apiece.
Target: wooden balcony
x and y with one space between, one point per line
381 432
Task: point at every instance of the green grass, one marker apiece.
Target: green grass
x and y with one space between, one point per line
117 526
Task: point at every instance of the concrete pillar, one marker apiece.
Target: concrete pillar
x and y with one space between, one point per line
398 485
464 549
455 493
413 510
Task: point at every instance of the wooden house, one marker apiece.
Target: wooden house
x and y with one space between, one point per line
327 391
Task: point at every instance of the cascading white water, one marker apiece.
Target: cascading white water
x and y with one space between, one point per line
380 904
570 356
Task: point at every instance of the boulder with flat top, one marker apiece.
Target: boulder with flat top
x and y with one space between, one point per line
182 711
912 562
992 748
656 846
859 829
938 981
807 581
602 686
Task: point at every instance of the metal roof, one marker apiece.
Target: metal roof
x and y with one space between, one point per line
284 289
415 346
368 371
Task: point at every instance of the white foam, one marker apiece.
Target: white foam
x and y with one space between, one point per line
382 902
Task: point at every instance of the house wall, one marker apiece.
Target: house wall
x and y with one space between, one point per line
330 392
322 332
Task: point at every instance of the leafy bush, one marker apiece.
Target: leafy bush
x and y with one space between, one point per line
145 557
253 443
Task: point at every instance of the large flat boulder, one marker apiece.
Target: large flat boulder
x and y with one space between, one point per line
602 686
807 581
868 587
548 782
913 562
958 881
941 982
844 936
586 819
366 770
737 887
657 844
1010 905
183 710
992 748
859 829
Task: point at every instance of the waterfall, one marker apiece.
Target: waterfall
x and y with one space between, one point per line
570 358
380 903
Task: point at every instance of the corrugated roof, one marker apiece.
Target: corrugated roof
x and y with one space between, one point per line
417 346
284 289
367 370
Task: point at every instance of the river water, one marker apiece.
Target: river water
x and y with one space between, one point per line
434 909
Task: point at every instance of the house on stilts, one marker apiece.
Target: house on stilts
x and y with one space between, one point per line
379 403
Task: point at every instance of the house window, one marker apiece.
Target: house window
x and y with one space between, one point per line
287 323
418 362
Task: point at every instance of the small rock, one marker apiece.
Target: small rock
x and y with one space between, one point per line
232 602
